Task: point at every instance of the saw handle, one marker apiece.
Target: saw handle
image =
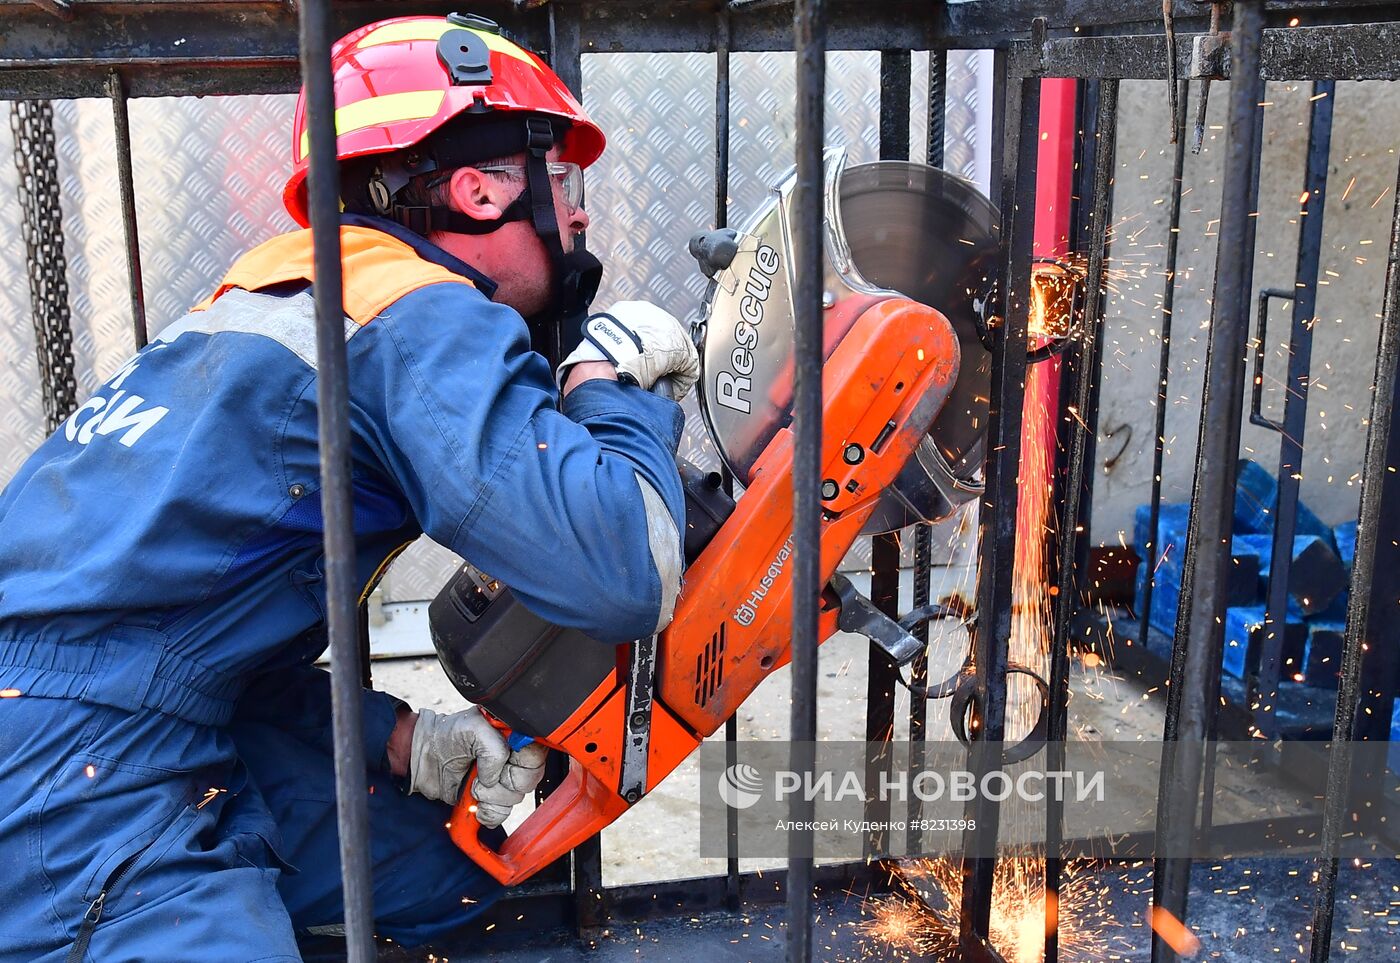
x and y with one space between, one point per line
579 808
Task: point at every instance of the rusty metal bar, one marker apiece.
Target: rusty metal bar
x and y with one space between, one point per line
1199 630
1150 550
1071 532
333 424
121 127
1264 694
809 41
992 634
882 677
1374 468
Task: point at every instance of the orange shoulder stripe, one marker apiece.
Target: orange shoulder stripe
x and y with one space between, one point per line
377 269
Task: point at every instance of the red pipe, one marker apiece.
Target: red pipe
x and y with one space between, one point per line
1053 188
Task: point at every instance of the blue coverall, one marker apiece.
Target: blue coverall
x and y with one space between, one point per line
165 750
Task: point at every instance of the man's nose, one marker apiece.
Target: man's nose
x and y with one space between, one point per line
578 220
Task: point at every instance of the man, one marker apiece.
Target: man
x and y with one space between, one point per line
166 783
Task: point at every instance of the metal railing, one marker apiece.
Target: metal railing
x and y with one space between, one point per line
244 47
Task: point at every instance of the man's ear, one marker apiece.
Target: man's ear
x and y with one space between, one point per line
476 195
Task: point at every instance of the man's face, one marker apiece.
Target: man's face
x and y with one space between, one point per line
513 256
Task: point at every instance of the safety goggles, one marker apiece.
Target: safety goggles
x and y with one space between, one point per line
568 176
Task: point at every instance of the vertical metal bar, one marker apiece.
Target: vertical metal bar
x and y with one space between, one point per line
590 897
937 105
1066 598
722 144
1380 659
880 686
918 676
722 139
809 42
1199 628
1216 670
1374 469
1150 549
883 674
895 70
121 126
556 766
333 424
997 522
362 640
1264 694
1082 229
923 534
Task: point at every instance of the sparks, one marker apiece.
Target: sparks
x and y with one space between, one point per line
922 915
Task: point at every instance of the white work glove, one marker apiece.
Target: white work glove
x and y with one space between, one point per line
644 342
521 775
446 746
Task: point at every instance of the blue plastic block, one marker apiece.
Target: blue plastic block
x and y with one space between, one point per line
1256 493
1244 636
1315 576
1172 519
1345 535
1322 659
1170 553
1166 595
1393 756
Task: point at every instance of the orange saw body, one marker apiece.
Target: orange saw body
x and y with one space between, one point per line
882 387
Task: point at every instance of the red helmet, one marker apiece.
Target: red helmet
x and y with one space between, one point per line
398 81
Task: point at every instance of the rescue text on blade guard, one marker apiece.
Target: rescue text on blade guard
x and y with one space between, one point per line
734 382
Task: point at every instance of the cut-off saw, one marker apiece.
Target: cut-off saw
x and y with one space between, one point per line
909 291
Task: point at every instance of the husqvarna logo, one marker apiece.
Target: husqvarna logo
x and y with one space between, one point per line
740 786
748 609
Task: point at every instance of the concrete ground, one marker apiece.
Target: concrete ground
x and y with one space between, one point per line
1243 911
1249 911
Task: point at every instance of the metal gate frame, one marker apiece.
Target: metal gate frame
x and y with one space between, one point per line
58 48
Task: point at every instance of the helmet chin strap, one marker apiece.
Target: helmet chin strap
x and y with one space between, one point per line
557 329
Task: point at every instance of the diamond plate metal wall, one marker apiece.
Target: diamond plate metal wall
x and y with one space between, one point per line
209 174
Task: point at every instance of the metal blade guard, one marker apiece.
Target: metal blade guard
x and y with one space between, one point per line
891 226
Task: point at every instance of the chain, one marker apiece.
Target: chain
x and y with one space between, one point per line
36 160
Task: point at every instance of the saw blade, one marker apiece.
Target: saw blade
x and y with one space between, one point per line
932 237
890 227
